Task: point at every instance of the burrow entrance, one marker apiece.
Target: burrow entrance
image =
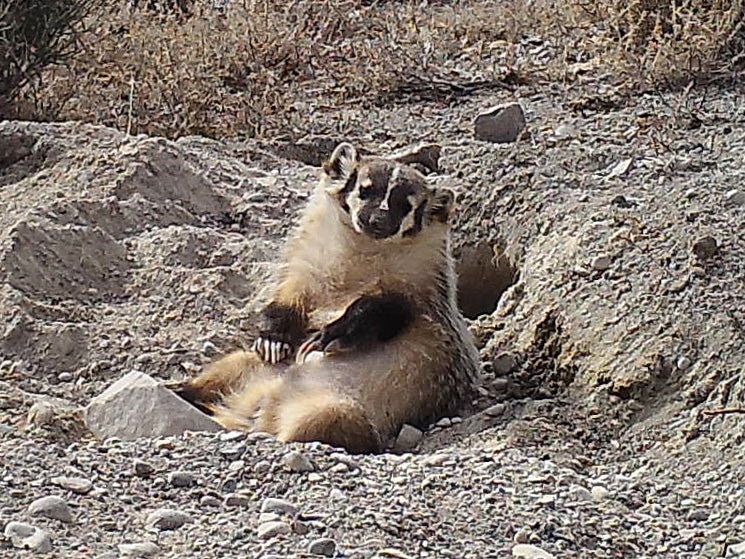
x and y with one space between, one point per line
485 272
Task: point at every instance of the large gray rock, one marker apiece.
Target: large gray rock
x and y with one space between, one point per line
138 406
500 124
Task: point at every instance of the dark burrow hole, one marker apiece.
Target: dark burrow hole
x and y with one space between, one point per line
485 272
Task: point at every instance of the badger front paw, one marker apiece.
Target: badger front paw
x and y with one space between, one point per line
271 351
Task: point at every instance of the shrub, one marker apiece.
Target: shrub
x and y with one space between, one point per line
33 35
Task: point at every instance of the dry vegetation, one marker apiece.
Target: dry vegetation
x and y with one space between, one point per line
260 67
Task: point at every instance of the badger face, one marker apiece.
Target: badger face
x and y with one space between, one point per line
382 198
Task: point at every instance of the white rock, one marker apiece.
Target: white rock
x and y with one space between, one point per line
621 168
500 124
78 485
26 536
137 406
144 549
297 462
527 551
736 551
496 410
565 131
579 493
599 493
167 519
271 529
735 197
683 363
601 263
278 506
408 438
51 507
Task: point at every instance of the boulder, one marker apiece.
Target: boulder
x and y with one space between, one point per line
138 406
500 124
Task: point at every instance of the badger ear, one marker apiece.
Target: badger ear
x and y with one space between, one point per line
442 205
342 162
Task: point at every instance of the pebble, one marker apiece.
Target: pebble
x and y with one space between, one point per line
232 436
735 197
501 385
495 410
236 465
523 535
262 466
408 438
339 468
434 460
322 546
143 549
275 528
503 364
345 459
167 519
181 479
237 500
142 469
51 507
698 515
65 376
599 493
579 493
209 501
565 131
313 477
233 451
297 462
705 247
683 363
278 506
527 551
601 263
265 517
78 485
444 422
26 536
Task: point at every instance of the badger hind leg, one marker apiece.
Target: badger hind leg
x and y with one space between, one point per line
322 415
224 376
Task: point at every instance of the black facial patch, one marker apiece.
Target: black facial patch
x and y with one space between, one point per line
348 187
418 221
381 223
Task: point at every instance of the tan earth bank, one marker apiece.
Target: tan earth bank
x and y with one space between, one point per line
612 234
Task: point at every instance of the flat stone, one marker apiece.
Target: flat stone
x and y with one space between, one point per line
78 485
278 506
167 519
137 406
579 493
408 438
504 364
322 546
424 154
237 500
735 197
51 507
496 410
297 462
274 528
144 549
705 247
181 479
527 551
500 124
601 263
26 536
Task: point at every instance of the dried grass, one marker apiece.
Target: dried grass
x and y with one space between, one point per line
263 66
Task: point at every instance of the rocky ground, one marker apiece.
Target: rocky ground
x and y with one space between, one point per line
602 259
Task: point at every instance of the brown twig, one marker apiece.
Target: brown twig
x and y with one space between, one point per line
724 411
